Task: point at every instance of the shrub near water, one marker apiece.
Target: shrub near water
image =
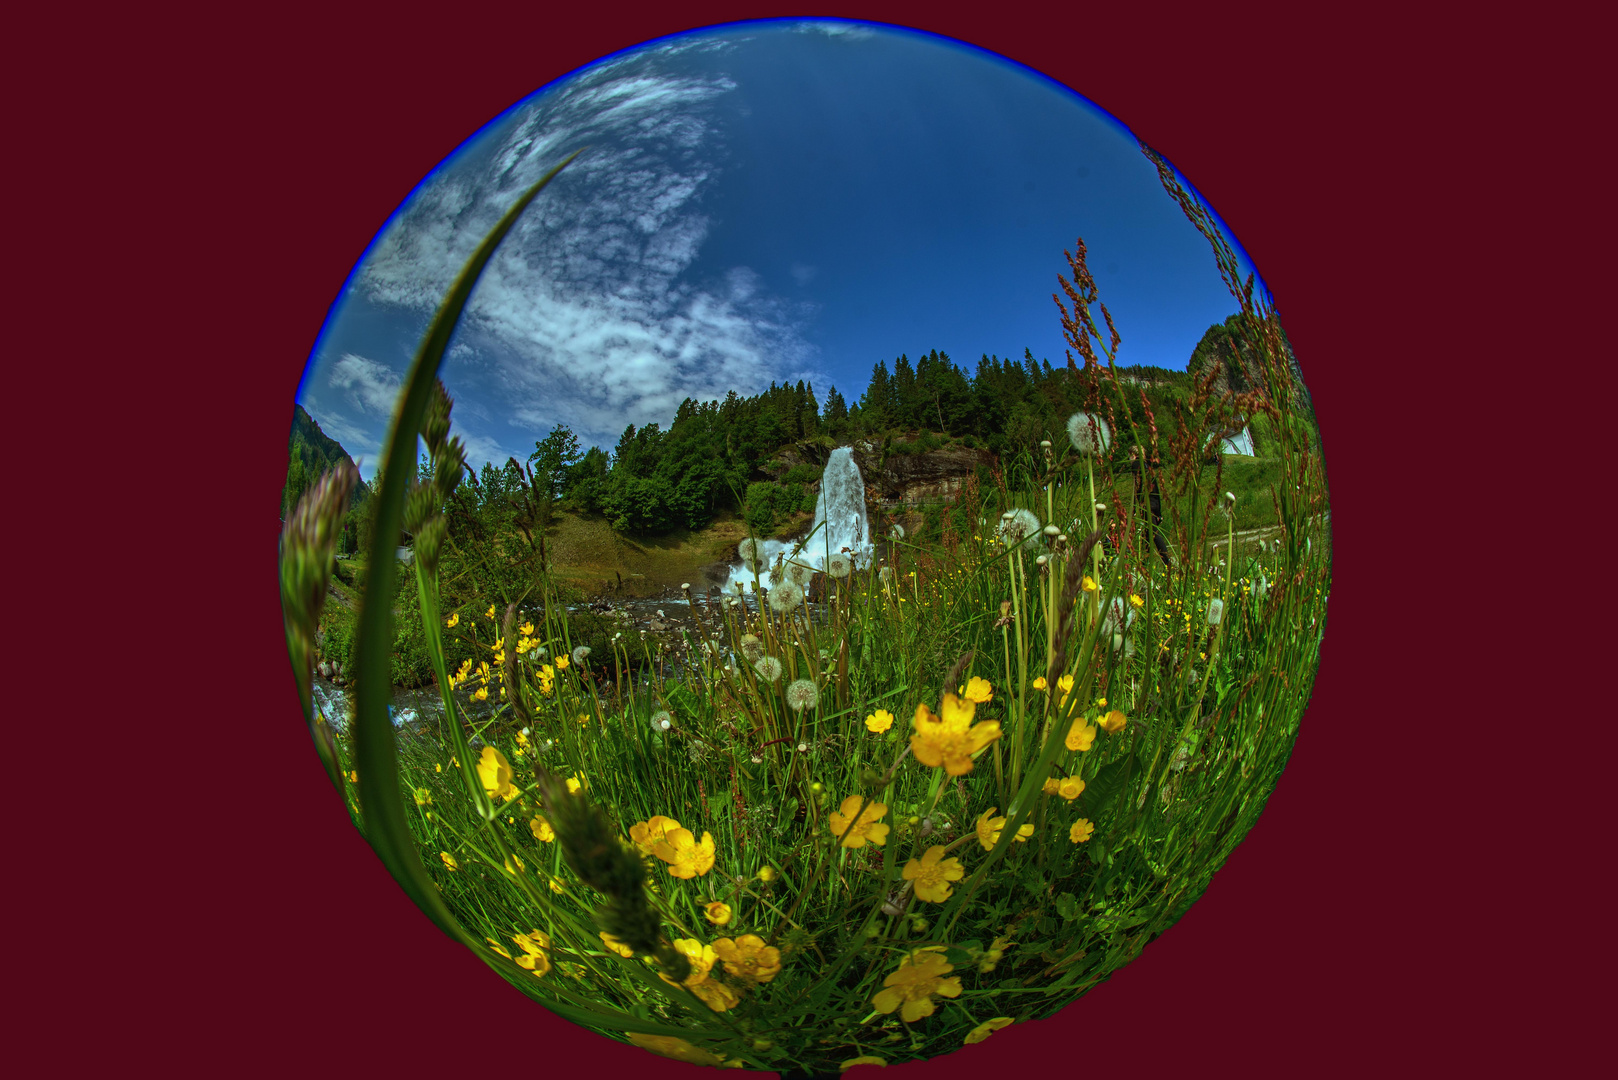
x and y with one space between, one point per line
954 796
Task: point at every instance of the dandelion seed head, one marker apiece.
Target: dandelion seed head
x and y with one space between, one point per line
768 668
662 721
802 694
752 647
581 654
1052 530
1019 527
785 597
1216 611
839 565
896 533
1088 433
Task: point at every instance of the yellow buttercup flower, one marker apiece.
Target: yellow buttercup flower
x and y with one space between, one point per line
910 988
686 857
1089 584
574 785
716 995
561 663
1040 683
671 1046
541 829
490 613
1113 722
1051 786
932 874
648 834
1081 831
767 874
526 629
1136 601
879 721
449 860
1070 788
747 957
717 913
1081 736
481 693
977 690
863 1059
950 740
868 828
988 830
495 772
616 946
987 1028
452 621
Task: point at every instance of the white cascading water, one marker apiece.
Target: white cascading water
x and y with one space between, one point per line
839 523
1240 443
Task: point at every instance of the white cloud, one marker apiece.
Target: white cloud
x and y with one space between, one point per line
589 314
371 385
802 274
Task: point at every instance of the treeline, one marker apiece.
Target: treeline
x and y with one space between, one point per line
717 455
714 454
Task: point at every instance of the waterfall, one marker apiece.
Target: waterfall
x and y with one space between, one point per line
839 523
1240 443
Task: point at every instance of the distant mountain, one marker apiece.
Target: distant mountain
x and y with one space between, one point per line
310 452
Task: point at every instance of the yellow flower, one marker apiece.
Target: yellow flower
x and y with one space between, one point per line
1051 786
616 946
867 828
977 690
1081 736
1040 683
989 830
535 955
526 629
648 834
1070 788
495 772
767 874
449 860
561 663
522 739
481 694
717 913
519 867
932 876
987 1028
574 784
452 621
1113 722
671 1046
1089 583
556 885
490 613
863 1059
541 829
685 856
950 740
879 721
1136 601
747 957
1081 831
912 985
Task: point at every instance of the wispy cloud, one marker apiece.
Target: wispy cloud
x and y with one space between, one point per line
591 314
370 385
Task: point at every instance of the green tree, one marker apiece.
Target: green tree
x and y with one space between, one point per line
553 456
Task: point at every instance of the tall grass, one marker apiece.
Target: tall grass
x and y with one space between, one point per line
740 859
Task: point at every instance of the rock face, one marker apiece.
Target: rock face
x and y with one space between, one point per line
901 479
895 478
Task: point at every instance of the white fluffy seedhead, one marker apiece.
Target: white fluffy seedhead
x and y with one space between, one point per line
785 597
802 694
1088 433
839 565
1020 527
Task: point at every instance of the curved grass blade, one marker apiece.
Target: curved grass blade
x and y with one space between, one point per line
375 755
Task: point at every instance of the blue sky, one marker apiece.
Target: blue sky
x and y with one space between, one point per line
770 201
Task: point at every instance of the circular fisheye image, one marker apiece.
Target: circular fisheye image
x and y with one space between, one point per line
805 544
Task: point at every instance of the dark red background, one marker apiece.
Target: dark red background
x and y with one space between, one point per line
193 185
